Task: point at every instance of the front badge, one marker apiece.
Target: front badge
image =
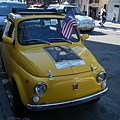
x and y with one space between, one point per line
75 86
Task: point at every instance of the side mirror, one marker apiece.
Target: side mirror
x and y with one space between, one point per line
7 40
84 37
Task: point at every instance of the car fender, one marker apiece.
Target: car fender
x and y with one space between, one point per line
20 86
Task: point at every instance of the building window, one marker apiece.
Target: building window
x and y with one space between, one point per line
116 6
90 1
96 1
93 1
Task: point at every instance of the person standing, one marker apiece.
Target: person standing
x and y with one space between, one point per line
104 15
114 18
101 11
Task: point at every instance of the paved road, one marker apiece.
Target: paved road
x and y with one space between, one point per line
104 43
6 112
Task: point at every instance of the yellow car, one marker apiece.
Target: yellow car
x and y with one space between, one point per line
48 70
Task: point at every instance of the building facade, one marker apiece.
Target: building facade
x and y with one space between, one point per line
113 7
93 7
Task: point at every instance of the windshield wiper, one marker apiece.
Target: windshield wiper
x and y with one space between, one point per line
45 42
35 41
61 39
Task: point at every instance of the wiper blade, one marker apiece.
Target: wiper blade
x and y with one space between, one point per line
61 39
45 42
67 40
35 41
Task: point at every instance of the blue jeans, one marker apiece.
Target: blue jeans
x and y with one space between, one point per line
103 20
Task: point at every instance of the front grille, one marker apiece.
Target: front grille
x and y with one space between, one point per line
87 22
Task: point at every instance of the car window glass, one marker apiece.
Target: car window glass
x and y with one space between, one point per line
10 32
74 9
7 28
42 30
6 8
57 7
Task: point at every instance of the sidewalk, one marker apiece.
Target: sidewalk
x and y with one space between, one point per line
6 112
108 25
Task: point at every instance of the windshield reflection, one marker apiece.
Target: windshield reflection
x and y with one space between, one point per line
47 31
6 8
74 9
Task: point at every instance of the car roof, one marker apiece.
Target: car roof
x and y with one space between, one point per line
18 13
59 6
62 5
34 11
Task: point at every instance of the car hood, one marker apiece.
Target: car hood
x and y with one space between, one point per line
71 60
2 20
83 18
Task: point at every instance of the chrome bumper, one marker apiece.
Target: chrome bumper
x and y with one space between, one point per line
86 27
67 103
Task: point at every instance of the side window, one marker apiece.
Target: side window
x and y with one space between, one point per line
7 27
67 9
9 30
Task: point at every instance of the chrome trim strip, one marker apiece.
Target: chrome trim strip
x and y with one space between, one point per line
67 103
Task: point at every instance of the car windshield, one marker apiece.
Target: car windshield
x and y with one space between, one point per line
6 8
74 9
47 31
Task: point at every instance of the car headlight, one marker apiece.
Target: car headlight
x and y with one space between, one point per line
101 76
78 21
40 88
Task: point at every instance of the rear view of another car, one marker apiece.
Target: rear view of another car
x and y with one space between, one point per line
85 23
5 9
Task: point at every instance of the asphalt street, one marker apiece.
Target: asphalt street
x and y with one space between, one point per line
6 112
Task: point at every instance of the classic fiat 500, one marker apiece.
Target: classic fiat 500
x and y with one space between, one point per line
46 69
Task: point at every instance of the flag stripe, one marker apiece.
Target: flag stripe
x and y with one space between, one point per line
68 25
67 28
70 28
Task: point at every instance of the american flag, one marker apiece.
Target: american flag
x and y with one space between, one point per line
68 25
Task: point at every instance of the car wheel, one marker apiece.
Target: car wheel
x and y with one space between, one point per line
18 108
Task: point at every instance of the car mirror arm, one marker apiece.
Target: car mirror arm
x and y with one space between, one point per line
84 37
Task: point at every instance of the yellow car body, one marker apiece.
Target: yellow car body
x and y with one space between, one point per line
65 83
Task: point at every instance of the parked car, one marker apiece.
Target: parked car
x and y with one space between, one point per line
47 70
5 9
85 23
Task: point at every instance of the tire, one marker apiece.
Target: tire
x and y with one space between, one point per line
18 108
